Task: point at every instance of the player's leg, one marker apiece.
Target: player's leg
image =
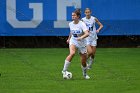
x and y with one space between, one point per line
89 51
72 49
93 51
83 57
84 66
91 59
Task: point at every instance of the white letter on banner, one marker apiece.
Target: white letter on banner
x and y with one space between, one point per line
13 21
62 12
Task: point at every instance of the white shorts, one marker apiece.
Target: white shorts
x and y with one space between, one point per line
80 45
92 40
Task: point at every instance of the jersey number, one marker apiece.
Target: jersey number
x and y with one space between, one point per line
91 28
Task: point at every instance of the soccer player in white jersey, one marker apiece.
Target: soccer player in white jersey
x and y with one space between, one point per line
77 41
92 38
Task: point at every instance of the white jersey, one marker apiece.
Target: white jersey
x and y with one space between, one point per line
90 23
76 31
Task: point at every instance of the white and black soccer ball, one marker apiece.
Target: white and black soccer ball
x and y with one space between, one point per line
67 75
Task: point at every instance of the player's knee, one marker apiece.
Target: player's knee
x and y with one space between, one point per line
90 53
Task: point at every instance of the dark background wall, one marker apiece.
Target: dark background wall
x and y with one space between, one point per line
60 42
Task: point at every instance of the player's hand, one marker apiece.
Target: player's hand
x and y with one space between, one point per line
79 38
68 41
97 31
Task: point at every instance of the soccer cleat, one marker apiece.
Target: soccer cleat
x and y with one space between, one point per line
86 77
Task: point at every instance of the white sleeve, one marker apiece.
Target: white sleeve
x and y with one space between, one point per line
84 27
82 20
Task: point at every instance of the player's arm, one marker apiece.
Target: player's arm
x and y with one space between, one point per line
86 32
100 25
69 38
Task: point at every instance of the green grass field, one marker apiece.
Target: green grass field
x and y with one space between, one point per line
115 70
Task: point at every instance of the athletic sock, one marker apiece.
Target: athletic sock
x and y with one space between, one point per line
66 65
90 61
84 70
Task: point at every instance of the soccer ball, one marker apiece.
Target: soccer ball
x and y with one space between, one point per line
67 75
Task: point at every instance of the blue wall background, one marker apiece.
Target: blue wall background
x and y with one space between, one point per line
119 17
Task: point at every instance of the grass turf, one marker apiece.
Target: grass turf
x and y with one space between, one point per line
115 70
